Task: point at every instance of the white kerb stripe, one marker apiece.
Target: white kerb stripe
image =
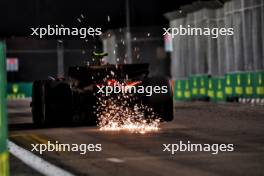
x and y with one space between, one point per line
35 162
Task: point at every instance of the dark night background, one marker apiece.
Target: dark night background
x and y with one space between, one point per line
38 57
18 16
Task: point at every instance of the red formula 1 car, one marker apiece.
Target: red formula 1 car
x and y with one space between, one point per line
73 100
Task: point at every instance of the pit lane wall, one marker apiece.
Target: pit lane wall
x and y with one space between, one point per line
4 168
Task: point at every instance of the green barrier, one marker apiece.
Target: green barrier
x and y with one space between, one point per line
220 89
259 84
250 86
235 84
194 86
178 90
199 86
245 84
254 86
230 84
187 90
212 89
19 90
182 90
3 122
216 87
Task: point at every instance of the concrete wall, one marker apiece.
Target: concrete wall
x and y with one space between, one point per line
204 55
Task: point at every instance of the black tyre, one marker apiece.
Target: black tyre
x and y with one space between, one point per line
38 102
162 103
51 103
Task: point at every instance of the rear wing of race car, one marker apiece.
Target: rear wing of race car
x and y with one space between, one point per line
130 71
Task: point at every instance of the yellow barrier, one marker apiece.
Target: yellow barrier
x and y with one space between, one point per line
4 166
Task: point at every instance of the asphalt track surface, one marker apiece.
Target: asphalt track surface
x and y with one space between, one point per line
126 153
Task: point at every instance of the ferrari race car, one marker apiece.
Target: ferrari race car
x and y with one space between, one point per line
71 100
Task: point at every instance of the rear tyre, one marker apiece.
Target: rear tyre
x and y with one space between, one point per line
38 103
51 103
162 102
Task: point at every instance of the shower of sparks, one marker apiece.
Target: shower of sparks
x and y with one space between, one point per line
123 112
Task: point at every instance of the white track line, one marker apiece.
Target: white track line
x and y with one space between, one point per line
115 160
36 162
